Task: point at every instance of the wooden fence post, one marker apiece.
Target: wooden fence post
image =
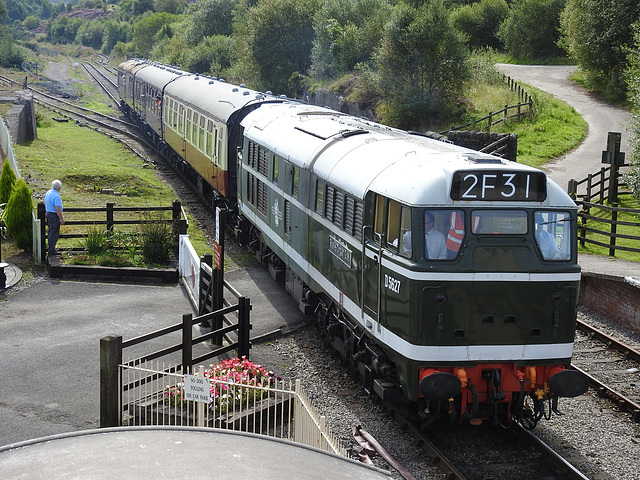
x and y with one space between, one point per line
187 342
205 292
110 206
110 394
572 189
244 326
614 230
178 223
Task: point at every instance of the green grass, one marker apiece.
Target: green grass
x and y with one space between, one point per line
552 129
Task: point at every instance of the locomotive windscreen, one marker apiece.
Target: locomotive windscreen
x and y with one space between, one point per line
492 185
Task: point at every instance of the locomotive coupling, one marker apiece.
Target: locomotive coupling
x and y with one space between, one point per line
436 385
568 383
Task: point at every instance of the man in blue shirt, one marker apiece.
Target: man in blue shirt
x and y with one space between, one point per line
53 214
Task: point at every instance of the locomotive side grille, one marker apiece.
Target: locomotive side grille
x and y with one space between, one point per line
338 206
358 221
252 158
328 204
262 198
257 193
263 165
258 158
349 214
287 219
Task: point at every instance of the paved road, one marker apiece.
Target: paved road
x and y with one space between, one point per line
601 117
50 342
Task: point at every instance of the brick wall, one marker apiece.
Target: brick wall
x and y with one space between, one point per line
616 298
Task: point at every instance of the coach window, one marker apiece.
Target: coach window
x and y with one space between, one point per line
181 119
209 152
189 124
201 134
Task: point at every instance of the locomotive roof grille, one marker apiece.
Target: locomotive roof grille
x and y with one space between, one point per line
475 158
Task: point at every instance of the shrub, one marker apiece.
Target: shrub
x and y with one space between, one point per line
157 242
95 242
18 215
7 181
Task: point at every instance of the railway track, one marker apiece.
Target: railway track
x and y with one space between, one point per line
499 453
611 366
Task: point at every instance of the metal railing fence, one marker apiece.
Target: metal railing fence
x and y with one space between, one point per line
154 395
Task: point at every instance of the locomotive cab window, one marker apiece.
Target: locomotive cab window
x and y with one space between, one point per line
499 222
443 234
553 235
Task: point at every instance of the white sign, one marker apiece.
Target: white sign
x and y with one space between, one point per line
196 389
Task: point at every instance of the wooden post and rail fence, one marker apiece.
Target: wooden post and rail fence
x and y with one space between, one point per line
598 222
522 108
111 216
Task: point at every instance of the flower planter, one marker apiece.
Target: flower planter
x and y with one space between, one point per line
268 412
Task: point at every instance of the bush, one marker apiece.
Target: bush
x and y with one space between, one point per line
157 242
95 242
18 215
7 181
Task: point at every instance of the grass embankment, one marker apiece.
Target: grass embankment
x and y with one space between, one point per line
86 162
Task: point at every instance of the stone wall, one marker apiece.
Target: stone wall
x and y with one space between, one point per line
478 140
328 99
21 118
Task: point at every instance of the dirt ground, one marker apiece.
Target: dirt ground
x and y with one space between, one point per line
56 79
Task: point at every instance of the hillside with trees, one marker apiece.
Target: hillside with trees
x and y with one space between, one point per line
408 61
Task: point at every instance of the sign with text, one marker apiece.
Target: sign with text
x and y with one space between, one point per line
196 389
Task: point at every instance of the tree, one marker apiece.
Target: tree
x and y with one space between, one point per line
145 31
597 34
10 55
480 22
18 215
170 6
277 37
532 28
347 33
90 34
210 17
115 31
632 74
31 22
63 29
422 65
3 12
7 181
